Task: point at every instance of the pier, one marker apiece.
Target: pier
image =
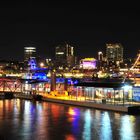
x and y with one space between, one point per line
83 95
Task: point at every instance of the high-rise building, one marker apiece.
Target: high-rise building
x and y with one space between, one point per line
64 55
29 52
114 53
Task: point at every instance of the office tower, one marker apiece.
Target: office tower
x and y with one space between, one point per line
114 53
64 55
29 52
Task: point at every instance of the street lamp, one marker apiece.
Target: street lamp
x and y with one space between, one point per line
41 64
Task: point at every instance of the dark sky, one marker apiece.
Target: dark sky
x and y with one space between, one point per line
86 25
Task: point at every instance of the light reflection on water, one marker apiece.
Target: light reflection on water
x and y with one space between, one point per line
127 128
87 126
25 120
106 129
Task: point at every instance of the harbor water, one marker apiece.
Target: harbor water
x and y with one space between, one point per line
32 120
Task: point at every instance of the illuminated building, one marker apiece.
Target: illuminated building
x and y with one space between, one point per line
35 72
100 56
49 62
100 61
29 52
32 64
9 67
88 63
64 56
114 53
107 91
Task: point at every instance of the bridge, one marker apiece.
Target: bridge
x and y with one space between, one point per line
10 85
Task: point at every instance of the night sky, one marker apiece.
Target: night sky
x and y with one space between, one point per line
86 25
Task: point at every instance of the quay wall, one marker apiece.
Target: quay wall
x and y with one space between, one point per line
23 96
89 104
101 106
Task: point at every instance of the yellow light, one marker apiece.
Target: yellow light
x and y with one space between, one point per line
88 59
71 111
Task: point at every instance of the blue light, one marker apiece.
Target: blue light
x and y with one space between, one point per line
69 81
36 73
72 81
60 80
127 87
39 75
32 64
75 82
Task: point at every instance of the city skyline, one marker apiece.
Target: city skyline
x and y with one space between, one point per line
84 25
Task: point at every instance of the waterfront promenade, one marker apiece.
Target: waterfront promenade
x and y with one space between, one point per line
127 107
106 96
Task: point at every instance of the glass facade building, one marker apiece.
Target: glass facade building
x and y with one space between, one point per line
29 52
114 52
64 55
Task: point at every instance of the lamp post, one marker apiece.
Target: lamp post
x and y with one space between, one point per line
41 64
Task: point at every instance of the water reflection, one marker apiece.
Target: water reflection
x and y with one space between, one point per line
74 117
106 130
87 126
127 128
25 120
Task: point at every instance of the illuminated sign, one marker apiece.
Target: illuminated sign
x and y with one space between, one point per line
88 63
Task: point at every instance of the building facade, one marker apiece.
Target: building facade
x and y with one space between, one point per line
114 53
64 56
29 52
88 63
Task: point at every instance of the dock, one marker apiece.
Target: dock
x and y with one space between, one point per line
129 109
